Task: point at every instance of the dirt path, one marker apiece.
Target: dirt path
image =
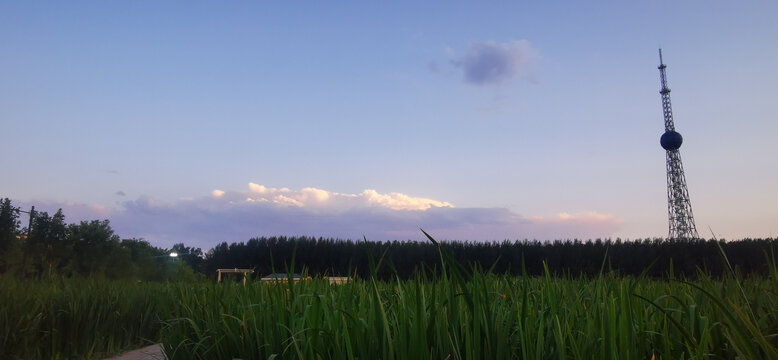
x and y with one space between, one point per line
153 352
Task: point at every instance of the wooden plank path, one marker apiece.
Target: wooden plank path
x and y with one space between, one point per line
152 352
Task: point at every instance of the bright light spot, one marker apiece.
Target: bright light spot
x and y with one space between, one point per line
173 254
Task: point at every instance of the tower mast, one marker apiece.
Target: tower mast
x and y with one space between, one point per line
679 208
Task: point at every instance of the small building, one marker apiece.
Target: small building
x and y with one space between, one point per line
245 273
280 277
338 279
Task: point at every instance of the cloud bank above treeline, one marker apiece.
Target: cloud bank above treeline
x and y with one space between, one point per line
238 215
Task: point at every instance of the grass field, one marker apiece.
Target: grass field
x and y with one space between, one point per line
462 315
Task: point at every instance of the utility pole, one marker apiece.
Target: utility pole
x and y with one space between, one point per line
24 246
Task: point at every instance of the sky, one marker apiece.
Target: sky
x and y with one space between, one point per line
203 122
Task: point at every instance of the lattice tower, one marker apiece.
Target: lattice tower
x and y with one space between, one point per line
679 208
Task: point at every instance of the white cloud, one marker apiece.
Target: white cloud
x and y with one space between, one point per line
398 201
285 200
230 215
315 194
313 198
259 189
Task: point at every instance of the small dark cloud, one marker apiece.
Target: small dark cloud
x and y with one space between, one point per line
489 63
120 193
433 67
112 171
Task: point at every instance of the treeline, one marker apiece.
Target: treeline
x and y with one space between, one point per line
91 249
653 257
49 246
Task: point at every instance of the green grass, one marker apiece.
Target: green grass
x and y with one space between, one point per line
486 317
463 315
74 318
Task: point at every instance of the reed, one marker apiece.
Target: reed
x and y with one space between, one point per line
484 317
466 314
471 314
75 318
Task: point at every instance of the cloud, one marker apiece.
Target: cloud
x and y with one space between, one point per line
433 67
238 215
489 63
583 217
397 201
120 193
316 199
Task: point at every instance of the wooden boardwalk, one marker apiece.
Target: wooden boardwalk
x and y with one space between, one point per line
152 352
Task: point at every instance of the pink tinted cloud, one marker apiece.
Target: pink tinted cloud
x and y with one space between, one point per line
240 215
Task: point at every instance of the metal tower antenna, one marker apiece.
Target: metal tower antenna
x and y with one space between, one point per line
679 208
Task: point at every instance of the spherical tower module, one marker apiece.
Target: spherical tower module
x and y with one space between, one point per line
671 140
679 208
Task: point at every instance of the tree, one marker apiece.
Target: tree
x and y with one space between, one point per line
9 232
93 242
192 257
47 244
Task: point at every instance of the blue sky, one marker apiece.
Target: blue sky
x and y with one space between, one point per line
479 121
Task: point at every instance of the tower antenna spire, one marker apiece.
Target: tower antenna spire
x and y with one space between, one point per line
661 63
679 208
